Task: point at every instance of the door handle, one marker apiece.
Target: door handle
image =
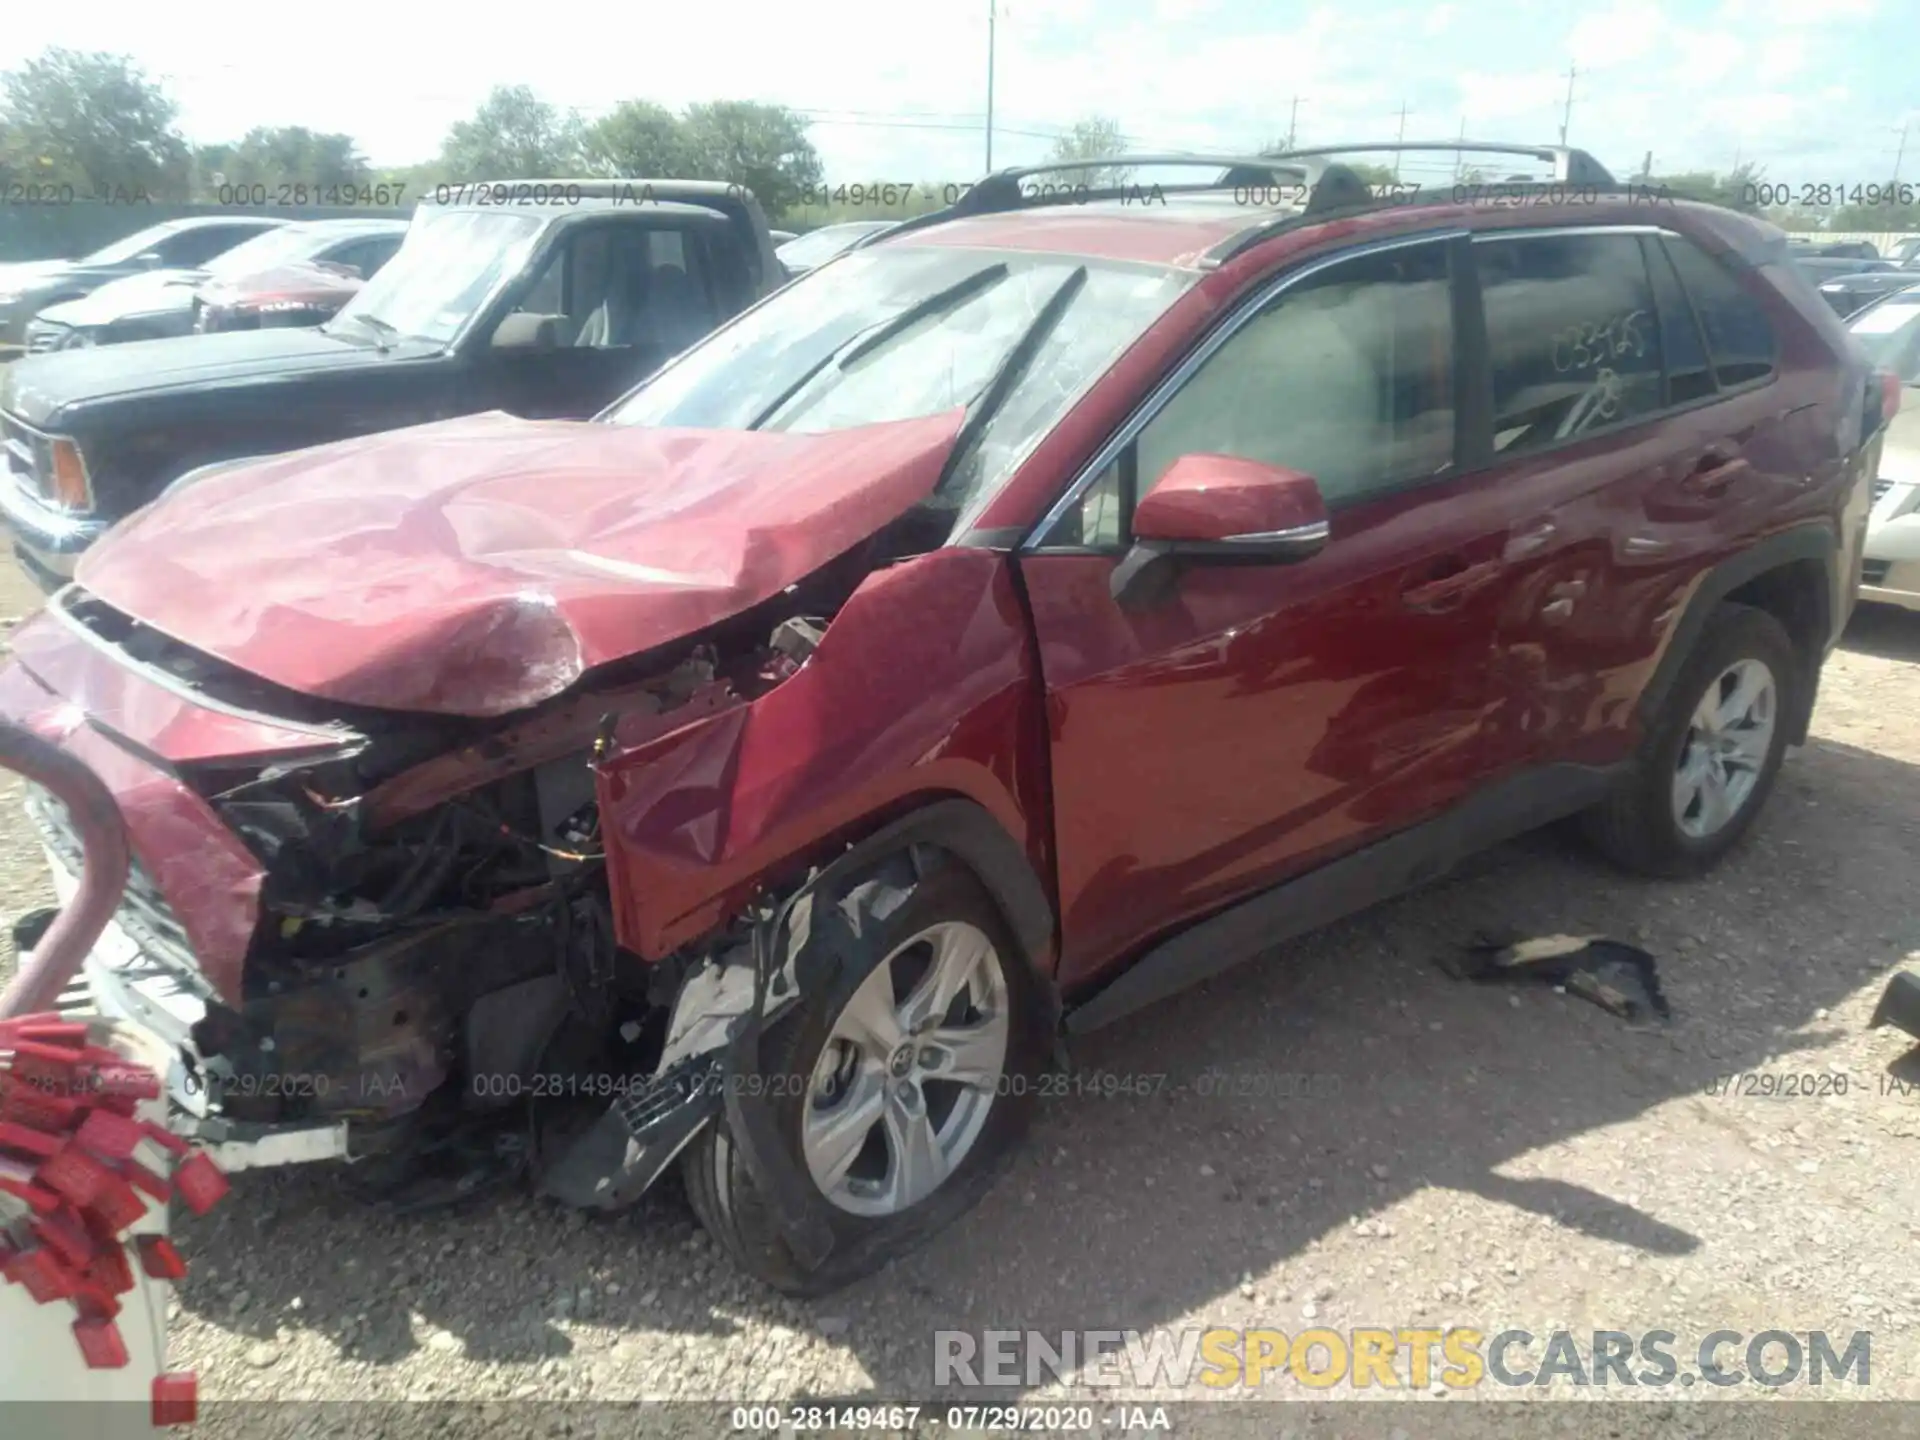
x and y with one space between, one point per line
1531 541
1446 591
1714 473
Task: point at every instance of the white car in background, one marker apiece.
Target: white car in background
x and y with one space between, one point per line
813 249
1889 331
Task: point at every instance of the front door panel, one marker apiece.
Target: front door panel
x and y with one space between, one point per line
1261 718
1258 717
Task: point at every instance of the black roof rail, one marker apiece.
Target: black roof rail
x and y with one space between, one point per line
1572 168
1004 190
1571 165
1308 166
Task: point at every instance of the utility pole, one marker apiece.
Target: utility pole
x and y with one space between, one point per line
1293 122
1900 154
1459 156
1398 140
1646 167
1566 115
993 7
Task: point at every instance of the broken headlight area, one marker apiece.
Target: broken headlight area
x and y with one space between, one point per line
435 963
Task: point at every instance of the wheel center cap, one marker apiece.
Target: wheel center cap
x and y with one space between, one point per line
901 1063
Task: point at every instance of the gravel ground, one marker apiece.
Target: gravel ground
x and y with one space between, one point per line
1494 1157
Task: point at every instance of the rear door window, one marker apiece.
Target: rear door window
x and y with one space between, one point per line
1739 336
1573 336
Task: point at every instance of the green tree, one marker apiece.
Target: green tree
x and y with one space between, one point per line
1736 190
639 139
417 181
1094 138
293 154
1873 218
764 147
514 135
96 122
209 169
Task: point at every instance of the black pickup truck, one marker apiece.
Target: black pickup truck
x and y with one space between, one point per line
546 299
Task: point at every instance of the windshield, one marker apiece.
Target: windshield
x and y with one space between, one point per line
1890 334
122 251
443 272
822 245
263 252
897 332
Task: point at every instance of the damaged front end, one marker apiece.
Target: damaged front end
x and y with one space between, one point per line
432 986
377 909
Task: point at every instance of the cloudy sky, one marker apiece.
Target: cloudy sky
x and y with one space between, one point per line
1813 89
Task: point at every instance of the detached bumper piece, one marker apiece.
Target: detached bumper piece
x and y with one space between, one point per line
630 1146
1899 1004
1621 979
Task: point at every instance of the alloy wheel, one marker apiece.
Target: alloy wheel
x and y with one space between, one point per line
1729 736
909 1072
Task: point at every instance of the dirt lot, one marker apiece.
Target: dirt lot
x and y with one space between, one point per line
1496 1158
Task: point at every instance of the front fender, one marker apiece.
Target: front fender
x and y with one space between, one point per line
922 689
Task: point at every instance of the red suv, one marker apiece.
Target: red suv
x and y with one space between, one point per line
1041 608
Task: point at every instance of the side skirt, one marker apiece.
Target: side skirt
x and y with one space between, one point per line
1401 862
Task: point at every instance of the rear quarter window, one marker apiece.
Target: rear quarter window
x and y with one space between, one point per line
1739 335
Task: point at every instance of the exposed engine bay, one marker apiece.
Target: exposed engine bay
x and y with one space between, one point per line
435 962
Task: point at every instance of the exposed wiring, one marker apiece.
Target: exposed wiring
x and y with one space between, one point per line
506 831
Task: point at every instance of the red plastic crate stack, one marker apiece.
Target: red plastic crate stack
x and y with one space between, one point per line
77 1167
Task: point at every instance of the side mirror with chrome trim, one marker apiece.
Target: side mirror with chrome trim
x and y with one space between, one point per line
1219 508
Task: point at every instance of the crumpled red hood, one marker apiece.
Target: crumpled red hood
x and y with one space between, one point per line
481 565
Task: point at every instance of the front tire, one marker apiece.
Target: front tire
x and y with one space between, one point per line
898 1094
1710 759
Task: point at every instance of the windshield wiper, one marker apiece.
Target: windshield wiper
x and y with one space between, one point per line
384 333
878 334
1010 371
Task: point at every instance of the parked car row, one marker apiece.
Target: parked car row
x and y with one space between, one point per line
1849 294
288 274
1853 273
802 253
1038 608
1889 331
540 308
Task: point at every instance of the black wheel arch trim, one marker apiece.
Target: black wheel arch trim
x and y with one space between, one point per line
1814 541
969 832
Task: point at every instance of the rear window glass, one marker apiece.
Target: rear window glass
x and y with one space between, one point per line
1738 333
